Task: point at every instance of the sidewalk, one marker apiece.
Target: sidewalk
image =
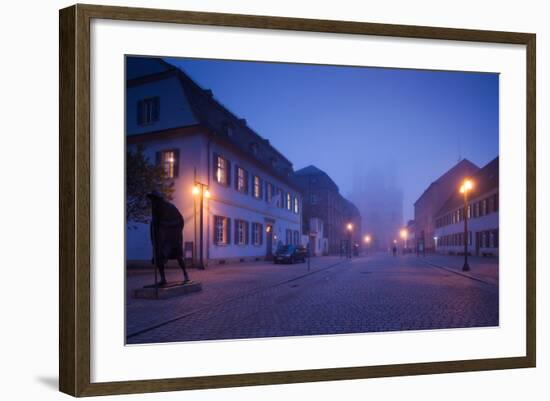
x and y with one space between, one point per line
482 269
220 283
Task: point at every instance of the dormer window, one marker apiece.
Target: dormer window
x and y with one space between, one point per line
148 110
254 148
228 130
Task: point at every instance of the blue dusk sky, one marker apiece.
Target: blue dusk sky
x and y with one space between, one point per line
410 124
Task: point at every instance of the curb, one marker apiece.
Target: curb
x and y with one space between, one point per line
460 273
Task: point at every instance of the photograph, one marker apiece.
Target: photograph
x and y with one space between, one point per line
271 199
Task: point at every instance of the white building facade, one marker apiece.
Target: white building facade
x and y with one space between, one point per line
218 165
483 217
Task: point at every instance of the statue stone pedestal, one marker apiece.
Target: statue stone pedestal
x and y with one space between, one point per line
168 290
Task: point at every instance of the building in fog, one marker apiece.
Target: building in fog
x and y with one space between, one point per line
380 203
432 200
410 243
315 236
482 212
322 200
254 205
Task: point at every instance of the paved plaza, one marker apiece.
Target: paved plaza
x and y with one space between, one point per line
333 295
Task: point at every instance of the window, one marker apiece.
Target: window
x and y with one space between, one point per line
288 235
257 187
254 148
228 129
257 234
296 208
241 232
221 230
483 207
269 192
280 200
490 205
288 201
221 170
313 199
168 160
242 180
148 110
296 237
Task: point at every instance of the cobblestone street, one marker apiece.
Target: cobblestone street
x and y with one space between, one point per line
366 294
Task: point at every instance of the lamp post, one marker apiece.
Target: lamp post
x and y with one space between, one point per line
367 241
403 233
201 190
466 186
349 227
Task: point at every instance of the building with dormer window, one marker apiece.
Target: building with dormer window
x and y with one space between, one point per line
253 204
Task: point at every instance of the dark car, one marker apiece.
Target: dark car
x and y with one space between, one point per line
290 254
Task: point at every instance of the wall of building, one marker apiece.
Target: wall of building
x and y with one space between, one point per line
224 201
192 155
488 223
429 203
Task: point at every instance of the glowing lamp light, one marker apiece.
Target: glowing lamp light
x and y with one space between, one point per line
350 226
466 186
195 190
403 233
207 194
367 238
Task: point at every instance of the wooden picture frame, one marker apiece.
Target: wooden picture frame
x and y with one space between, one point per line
75 207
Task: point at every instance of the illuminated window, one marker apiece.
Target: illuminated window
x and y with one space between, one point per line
296 208
257 187
168 160
288 201
148 110
222 167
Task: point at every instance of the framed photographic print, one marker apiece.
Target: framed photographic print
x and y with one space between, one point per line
250 200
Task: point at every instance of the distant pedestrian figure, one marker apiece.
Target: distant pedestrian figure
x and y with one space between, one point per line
394 250
166 234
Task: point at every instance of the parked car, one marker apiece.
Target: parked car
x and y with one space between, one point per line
290 254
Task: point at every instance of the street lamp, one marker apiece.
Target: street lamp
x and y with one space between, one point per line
367 241
349 227
200 189
466 186
403 233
